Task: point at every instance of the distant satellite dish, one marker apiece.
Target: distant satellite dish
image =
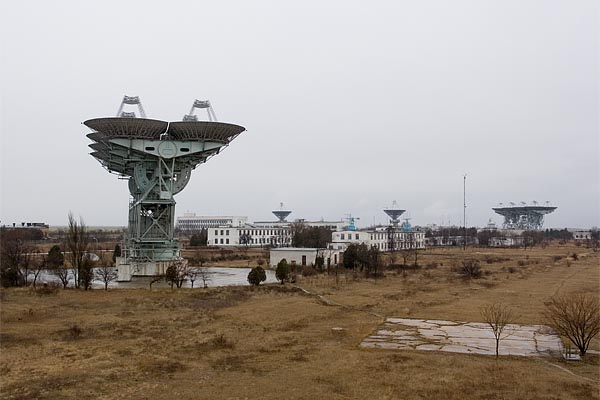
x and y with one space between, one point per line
394 212
281 214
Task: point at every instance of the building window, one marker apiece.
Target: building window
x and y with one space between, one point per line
216 233
356 236
216 241
221 232
227 232
221 241
226 241
342 236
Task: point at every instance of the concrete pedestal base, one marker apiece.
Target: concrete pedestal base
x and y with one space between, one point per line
126 269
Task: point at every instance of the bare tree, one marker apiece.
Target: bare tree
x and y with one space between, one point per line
39 267
576 316
192 275
204 276
176 274
62 273
156 278
497 316
77 245
15 257
105 273
26 265
470 269
201 273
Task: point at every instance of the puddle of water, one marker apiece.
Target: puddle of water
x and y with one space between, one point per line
463 337
217 277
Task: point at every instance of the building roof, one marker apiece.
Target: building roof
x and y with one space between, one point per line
306 249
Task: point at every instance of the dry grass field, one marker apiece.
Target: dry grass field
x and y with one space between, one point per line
277 342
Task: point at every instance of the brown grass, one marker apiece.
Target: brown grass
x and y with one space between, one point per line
277 342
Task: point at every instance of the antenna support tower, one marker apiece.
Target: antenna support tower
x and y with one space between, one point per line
524 216
282 213
202 104
157 159
351 222
131 100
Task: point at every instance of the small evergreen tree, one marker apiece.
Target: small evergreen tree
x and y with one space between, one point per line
356 256
86 273
116 253
199 239
282 272
55 257
320 262
256 276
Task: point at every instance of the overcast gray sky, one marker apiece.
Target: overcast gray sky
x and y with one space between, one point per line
349 105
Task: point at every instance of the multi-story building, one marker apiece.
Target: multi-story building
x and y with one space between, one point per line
191 222
262 233
276 235
381 238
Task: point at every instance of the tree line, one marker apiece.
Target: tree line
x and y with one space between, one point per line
20 260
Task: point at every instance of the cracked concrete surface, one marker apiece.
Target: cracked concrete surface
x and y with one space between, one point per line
463 337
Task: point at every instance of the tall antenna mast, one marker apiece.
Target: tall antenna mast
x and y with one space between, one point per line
464 211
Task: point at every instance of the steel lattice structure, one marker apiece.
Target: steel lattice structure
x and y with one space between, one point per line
157 158
526 217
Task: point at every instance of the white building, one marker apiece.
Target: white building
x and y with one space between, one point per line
333 225
304 256
191 222
262 233
506 241
278 235
582 235
379 238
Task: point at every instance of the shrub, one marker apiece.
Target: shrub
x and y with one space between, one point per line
47 289
470 269
495 259
74 332
256 276
307 270
512 270
221 342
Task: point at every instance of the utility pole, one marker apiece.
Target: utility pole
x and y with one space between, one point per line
464 211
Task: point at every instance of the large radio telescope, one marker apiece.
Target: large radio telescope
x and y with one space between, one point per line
157 158
524 216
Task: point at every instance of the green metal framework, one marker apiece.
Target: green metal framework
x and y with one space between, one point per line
157 158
